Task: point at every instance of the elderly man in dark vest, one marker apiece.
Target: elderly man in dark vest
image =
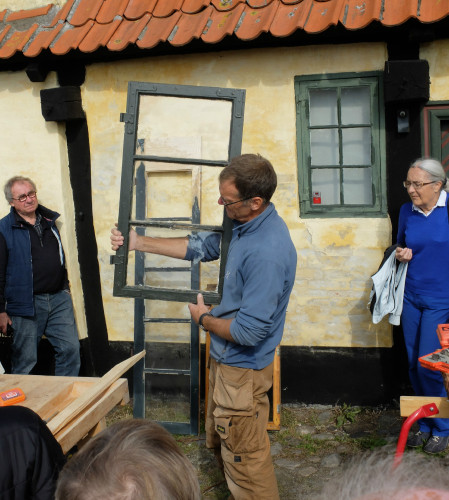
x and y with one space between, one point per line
34 289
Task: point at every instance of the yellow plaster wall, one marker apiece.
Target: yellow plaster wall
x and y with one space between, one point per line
14 5
336 257
436 54
34 148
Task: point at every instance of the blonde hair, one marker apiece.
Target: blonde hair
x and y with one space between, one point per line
133 459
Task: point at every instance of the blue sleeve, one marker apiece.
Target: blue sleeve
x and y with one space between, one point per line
403 216
203 247
262 292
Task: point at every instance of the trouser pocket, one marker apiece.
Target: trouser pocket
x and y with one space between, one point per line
233 391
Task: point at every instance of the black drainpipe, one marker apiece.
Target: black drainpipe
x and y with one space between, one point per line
63 104
406 90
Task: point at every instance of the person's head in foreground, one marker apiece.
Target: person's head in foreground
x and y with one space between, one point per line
131 460
371 476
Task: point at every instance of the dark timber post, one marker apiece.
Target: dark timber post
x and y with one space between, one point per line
64 104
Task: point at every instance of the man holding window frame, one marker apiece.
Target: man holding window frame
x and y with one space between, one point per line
35 298
246 326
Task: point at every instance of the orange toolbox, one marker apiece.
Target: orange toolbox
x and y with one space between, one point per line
439 360
11 397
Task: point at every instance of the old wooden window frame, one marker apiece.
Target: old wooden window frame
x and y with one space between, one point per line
131 158
133 172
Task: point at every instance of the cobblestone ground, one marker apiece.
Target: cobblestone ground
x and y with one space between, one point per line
312 447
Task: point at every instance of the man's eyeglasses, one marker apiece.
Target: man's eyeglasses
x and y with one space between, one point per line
22 198
226 204
416 185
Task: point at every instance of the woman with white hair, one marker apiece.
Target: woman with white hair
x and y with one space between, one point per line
423 242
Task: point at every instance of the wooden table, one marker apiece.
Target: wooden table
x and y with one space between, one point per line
48 396
410 404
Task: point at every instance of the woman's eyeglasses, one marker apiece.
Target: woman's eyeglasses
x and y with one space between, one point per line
416 185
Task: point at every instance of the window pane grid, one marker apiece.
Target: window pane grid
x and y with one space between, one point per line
339 146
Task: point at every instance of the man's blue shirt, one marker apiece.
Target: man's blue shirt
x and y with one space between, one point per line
259 277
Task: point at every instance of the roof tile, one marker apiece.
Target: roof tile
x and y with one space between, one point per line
157 31
256 4
190 26
224 5
399 11
4 33
110 9
433 10
194 6
165 8
25 14
91 24
17 41
221 24
86 9
254 21
137 8
128 32
61 16
289 18
42 40
357 15
70 38
99 36
321 15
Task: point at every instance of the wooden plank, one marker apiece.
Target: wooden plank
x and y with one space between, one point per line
45 394
87 421
409 404
77 406
275 424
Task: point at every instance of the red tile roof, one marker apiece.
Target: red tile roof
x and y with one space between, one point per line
113 25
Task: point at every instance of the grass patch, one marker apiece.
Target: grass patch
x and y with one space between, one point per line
288 418
372 442
345 413
119 413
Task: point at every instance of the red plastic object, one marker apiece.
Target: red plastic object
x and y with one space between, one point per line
423 412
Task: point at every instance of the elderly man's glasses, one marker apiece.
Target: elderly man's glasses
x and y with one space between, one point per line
416 185
226 204
22 198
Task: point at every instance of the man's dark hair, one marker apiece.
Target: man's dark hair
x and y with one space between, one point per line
253 175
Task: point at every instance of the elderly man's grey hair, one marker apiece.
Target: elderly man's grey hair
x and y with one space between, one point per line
434 169
10 183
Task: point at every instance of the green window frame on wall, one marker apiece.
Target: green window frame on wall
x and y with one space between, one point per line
341 145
